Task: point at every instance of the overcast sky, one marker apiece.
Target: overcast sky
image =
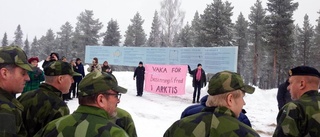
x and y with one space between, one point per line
37 16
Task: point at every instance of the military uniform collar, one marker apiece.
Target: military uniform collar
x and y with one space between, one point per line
220 110
48 87
93 111
310 93
10 99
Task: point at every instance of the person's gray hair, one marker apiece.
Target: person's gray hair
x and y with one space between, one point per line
50 79
220 99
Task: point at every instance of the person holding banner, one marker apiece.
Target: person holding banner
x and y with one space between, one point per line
199 81
139 73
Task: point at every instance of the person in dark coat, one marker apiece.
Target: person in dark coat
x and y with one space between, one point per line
283 95
199 81
53 57
106 67
193 109
139 73
79 69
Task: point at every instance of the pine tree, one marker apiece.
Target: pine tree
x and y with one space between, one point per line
171 19
198 39
112 36
5 40
87 32
217 25
297 50
162 40
26 47
305 40
129 41
135 32
65 37
317 40
154 37
47 44
18 37
280 27
241 36
257 36
34 47
185 36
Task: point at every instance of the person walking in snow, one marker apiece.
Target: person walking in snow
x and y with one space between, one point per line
139 77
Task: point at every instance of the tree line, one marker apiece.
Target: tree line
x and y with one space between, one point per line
269 43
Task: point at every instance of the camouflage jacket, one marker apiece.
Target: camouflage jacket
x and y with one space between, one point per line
211 122
301 117
42 106
11 123
86 121
125 121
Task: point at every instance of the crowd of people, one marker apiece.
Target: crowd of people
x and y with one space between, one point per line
41 109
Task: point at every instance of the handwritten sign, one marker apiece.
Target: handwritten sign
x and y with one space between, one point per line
165 79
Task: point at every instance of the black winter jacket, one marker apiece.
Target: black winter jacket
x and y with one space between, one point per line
139 73
203 79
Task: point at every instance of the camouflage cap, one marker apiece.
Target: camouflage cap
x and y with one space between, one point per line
14 55
56 68
98 82
226 81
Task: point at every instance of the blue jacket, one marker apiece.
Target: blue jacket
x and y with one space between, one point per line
198 108
79 69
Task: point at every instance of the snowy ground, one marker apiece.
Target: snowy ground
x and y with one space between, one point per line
153 113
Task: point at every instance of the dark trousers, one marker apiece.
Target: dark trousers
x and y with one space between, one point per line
197 87
139 84
75 88
72 89
68 95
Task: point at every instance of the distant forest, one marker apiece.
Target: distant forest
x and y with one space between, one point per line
269 42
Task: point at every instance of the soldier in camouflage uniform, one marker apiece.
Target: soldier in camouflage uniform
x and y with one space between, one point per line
219 119
13 76
99 95
301 117
45 104
125 121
